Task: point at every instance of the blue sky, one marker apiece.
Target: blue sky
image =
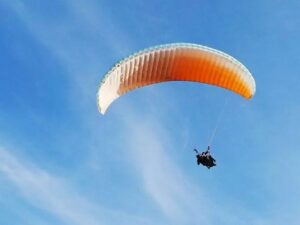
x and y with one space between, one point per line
61 162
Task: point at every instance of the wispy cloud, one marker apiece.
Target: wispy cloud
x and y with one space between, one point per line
53 195
45 191
81 30
84 36
163 181
181 199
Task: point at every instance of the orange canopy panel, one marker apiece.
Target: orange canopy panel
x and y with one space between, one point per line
175 62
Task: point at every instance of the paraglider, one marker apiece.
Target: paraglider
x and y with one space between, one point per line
176 62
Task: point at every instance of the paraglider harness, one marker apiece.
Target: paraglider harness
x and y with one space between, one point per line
205 158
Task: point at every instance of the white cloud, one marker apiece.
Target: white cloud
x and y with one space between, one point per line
53 195
81 39
45 191
163 181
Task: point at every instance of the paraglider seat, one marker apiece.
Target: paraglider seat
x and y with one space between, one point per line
205 159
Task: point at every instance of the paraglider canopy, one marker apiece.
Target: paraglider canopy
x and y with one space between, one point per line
175 62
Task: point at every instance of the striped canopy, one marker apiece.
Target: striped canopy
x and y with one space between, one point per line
175 62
